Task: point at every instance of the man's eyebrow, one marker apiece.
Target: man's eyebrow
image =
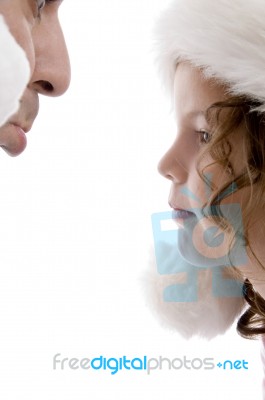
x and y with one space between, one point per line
53 1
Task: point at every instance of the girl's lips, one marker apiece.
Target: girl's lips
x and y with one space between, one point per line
182 214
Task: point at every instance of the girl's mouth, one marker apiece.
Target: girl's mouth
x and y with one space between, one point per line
182 214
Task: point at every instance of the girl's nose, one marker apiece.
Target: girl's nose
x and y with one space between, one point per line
172 165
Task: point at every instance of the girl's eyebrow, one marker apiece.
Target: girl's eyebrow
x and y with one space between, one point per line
195 114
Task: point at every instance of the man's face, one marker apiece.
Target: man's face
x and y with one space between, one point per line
35 26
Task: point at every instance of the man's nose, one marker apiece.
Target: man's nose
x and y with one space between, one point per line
172 165
52 72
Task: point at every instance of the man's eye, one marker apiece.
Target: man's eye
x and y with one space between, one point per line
40 6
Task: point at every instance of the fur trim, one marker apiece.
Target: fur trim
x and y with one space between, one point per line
225 38
206 318
14 73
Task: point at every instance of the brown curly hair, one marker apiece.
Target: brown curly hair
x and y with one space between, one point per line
239 111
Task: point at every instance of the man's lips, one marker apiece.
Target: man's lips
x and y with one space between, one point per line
22 129
13 134
14 141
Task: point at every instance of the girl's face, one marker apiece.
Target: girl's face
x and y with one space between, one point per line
193 96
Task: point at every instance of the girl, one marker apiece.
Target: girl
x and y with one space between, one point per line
212 63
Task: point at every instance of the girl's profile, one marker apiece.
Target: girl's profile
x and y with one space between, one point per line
211 58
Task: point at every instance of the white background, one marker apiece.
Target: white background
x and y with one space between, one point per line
75 227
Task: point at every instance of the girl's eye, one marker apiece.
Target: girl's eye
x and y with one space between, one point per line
205 137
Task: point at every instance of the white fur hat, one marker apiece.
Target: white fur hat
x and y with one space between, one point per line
226 38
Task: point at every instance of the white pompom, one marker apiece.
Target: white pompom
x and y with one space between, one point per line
14 73
207 317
